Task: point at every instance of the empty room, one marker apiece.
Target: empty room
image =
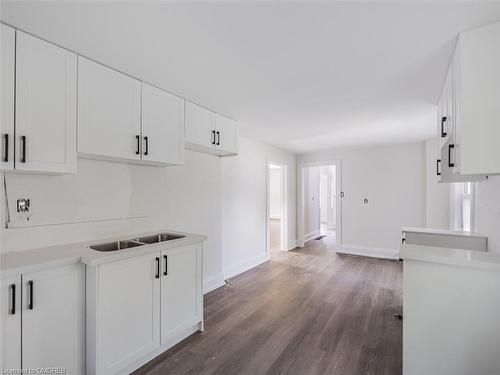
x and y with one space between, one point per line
250 187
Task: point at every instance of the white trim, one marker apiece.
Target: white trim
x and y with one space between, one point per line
213 282
367 251
301 237
284 206
246 265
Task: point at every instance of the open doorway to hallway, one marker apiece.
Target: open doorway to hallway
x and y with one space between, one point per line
327 201
276 212
319 211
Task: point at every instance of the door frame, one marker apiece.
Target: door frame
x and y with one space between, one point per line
301 201
284 246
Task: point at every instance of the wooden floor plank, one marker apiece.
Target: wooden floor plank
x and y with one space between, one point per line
307 311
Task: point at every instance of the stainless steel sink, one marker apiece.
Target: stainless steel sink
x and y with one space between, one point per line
160 237
127 244
115 246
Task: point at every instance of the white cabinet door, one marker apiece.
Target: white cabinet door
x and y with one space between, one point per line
45 106
10 320
227 136
200 128
180 290
54 319
109 113
128 317
162 126
7 78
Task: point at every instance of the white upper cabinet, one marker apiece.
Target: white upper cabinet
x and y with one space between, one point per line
478 97
162 126
45 106
109 113
468 111
200 128
7 78
209 132
227 136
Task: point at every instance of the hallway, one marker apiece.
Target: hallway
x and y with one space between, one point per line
307 311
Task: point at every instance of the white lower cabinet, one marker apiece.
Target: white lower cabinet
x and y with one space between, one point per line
141 306
43 326
123 313
10 320
180 291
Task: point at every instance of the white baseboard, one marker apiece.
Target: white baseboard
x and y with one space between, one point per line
312 235
246 265
213 282
366 251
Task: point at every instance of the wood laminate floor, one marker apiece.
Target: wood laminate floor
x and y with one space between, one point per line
307 311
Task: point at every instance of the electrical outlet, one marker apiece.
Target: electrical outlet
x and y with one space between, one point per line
23 205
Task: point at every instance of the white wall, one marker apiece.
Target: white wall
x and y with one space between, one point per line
275 200
311 179
223 198
392 178
179 198
244 211
437 194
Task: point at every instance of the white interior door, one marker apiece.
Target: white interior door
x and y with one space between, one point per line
200 126
226 140
54 319
109 112
10 320
162 126
7 78
128 311
180 290
46 78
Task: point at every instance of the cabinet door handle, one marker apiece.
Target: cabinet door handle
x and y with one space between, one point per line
6 148
157 268
165 270
438 164
443 132
450 147
146 140
30 295
23 149
138 138
213 137
12 299
218 138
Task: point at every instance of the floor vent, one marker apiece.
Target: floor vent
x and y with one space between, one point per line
228 282
320 238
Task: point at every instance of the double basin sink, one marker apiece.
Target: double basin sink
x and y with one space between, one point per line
135 242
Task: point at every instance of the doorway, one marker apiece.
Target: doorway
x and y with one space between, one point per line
327 201
277 207
319 208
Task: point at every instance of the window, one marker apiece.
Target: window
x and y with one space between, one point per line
462 206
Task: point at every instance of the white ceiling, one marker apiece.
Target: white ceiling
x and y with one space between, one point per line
299 75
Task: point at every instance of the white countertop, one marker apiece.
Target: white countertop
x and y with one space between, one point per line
442 232
12 263
456 257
